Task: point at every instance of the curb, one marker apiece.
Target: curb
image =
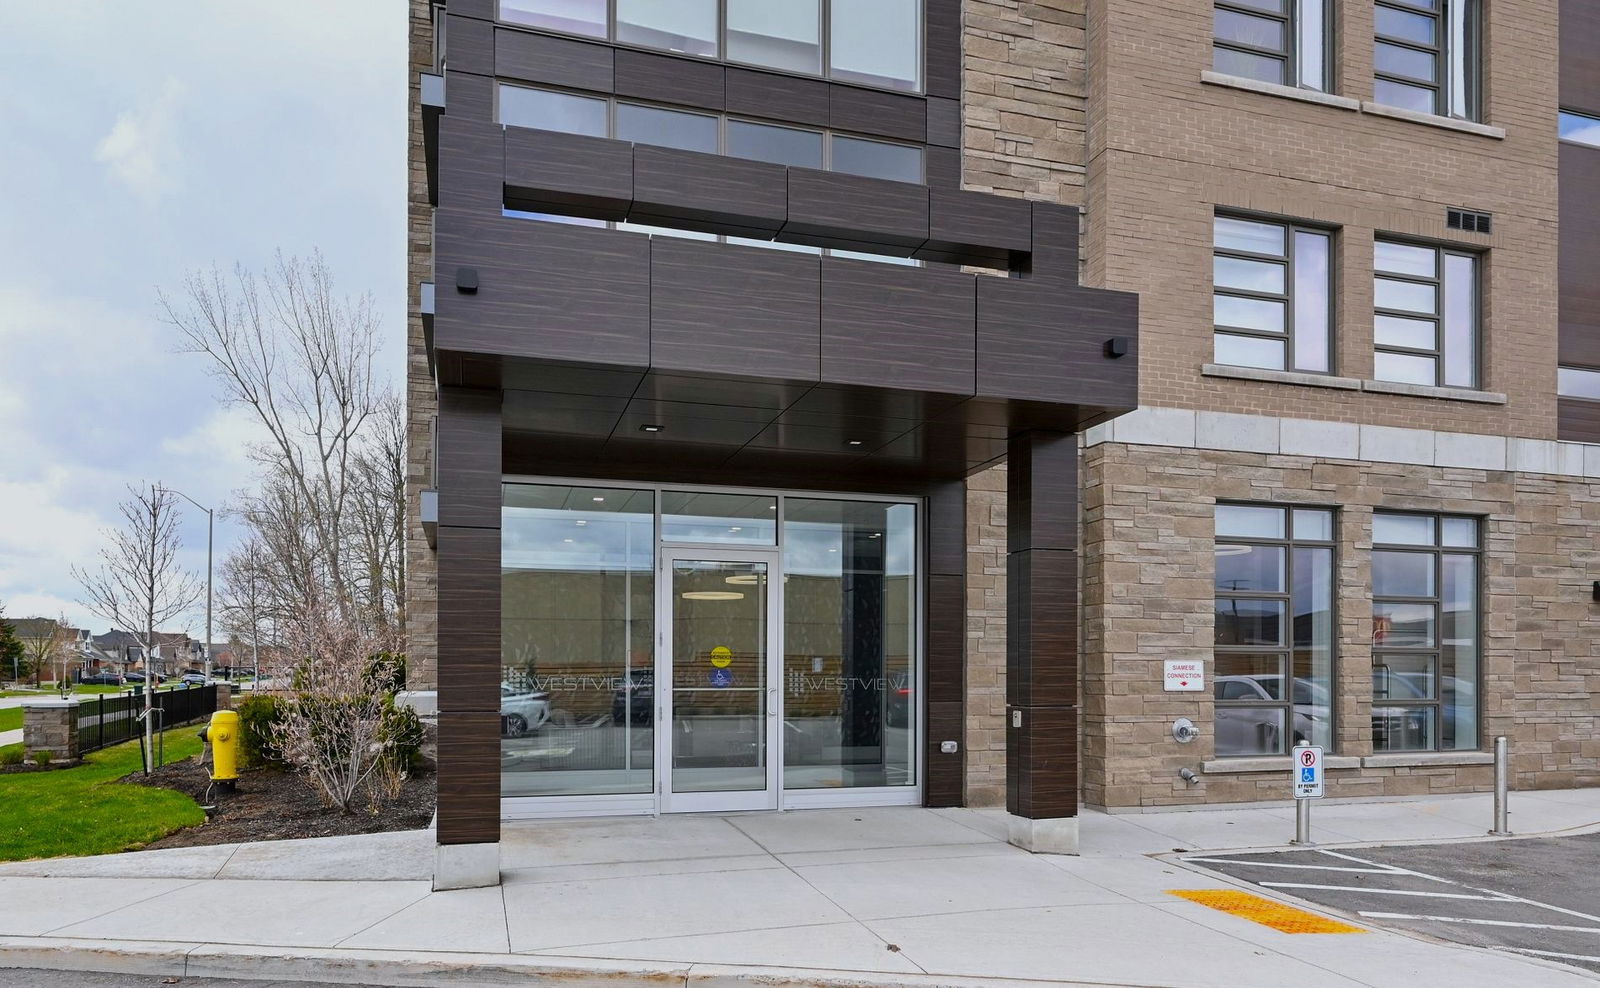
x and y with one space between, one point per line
385 967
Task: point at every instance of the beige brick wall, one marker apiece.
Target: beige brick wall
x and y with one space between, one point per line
1166 151
422 614
1148 595
1025 93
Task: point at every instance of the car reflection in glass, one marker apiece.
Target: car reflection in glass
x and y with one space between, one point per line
522 710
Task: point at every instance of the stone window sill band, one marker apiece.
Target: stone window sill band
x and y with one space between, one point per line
1429 391
1273 89
1433 120
1281 377
1270 763
1211 78
1412 759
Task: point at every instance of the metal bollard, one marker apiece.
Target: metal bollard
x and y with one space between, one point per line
1502 786
1302 822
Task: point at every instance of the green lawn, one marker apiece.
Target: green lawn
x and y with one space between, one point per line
84 810
10 719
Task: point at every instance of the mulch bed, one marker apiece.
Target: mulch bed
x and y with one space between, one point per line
279 805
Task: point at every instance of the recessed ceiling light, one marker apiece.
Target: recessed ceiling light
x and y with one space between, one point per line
713 595
569 540
855 442
735 528
599 500
830 550
583 523
650 427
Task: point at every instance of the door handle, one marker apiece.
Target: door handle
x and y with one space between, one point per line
772 701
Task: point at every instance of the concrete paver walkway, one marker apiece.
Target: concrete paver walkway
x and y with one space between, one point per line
889 896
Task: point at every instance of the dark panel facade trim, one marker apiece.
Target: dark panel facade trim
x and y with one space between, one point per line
898 327
779 97
872 111
1579 305
1580 55
707 192
467 448
669 79
469 777
1578 420
521 56
827 209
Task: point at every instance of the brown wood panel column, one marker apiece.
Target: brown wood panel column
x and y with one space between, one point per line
468 450
1042 625
944 780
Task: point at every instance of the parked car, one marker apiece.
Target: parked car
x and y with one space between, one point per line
194 679
101 679
1249 730
897 705
522 710
635 701
138 677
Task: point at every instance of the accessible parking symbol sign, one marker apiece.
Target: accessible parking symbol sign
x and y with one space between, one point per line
1308 772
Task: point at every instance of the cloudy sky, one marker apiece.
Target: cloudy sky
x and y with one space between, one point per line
144 139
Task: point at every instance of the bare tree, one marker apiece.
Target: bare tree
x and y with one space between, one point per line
246 601
139 585
378 518
339 726
301 358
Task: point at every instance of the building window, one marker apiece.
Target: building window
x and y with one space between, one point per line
1277 41
867 42
594 116
1272 673
1579 128
523 106
1425 55
1425 325
1578 382
1424 632
1272 295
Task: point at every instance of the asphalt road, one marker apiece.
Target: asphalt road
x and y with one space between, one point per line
1537 897
25 978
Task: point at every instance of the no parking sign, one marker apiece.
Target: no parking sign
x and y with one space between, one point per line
1308 772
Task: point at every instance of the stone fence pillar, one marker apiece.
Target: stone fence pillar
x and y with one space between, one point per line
51 724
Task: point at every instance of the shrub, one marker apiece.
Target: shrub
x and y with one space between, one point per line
12 755
41 757
402 735
259 717
386 672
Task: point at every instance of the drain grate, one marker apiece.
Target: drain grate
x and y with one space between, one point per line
1284 919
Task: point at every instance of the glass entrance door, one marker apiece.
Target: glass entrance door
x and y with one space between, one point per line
719 708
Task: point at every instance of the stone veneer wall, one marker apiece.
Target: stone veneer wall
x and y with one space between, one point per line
1025 92
422 613
1148 559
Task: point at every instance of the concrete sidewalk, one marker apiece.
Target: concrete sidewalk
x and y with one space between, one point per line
10 737
894 896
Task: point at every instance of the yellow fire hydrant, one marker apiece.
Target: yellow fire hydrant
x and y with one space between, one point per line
223 736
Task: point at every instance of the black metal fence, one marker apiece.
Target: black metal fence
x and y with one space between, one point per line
114 718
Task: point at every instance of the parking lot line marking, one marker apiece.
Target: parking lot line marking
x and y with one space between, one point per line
1551 953
1501 896
1284 919
1358 888
1283 864
1482 922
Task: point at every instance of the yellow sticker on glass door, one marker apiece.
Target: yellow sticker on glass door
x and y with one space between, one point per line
722 656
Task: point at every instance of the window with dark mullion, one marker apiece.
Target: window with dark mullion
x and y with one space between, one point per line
1425 322
1272 668
1272 295
1276 41
1425 634
1425 56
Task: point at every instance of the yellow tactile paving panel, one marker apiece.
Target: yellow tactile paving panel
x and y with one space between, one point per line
1285 919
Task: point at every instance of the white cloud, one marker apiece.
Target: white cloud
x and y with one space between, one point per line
141 151
219 447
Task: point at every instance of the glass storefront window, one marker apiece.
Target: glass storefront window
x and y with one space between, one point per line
1424 632
785 35
849 672
577 640
1272 673
708 517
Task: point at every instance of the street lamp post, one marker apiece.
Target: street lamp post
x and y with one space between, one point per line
210 541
